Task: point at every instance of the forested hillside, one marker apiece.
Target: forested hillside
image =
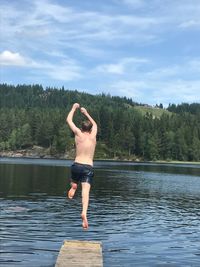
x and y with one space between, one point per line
31 115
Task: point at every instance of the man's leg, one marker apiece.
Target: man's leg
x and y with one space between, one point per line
85 202
72 190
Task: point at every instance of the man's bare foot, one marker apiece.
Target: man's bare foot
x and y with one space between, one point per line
72 190
85 221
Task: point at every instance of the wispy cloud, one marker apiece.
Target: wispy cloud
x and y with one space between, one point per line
67 24
165 92
139 48
124 65
66 71
166 84
190 24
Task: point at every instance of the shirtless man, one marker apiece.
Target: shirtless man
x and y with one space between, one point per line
82 168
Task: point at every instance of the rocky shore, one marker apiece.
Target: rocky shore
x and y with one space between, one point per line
36 152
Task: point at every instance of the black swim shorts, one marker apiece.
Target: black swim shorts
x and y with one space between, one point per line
81 173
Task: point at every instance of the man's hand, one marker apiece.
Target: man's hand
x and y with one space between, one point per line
83 110
75 106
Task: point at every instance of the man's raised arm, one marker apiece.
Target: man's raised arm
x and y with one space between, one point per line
94 125
70 116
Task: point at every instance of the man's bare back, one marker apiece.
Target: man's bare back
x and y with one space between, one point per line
85 148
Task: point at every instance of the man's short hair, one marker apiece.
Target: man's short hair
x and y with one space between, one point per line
86 126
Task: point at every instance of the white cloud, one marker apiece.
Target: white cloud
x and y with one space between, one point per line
66 70
9 58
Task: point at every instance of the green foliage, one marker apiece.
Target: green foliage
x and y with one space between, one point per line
193 108
20 137
30 115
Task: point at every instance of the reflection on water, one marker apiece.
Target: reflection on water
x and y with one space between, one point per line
145 215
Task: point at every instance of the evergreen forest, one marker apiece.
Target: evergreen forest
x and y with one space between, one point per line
31 115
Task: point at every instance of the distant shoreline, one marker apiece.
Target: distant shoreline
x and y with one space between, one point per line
176 162
29 154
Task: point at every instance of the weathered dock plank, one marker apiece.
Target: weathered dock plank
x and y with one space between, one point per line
74 253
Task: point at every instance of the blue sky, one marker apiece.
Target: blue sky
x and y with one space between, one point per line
145 50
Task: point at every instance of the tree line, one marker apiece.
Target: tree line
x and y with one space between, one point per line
31 115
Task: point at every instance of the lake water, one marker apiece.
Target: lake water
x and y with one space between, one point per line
144 214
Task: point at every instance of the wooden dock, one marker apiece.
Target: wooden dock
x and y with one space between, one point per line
74 253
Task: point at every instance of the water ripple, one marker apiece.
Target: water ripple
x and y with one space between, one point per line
142 218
